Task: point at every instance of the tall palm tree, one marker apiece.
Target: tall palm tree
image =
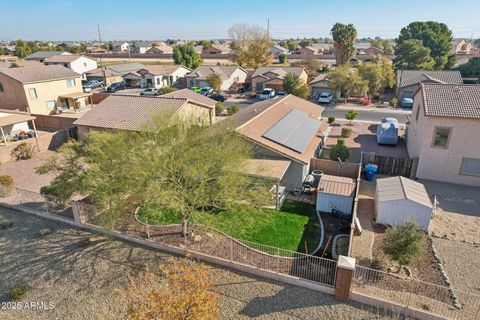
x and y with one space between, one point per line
344 36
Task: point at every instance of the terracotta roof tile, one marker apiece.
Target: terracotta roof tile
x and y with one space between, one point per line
39 74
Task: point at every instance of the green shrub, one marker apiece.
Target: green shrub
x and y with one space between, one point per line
6 186
282 58
339 151
341 142
376 96
165 90
18 292
346 132
218 108
393 102
351 115
233 109
331 119
23 151
404 243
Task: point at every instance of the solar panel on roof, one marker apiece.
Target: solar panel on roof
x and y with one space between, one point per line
294 131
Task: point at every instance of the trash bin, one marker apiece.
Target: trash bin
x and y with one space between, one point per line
371 169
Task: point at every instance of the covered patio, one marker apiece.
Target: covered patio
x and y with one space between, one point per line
75 102
273 170
14 127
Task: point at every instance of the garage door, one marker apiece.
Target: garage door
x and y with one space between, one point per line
276 87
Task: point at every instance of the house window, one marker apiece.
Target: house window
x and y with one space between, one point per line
1 87
70 83
33 94
441 137
158 81
470 167
51 104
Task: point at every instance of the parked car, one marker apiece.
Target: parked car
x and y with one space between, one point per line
280 93
218 97
387 131
325 97
114 87
206 91
406 102
196 89
87 87
267 93
149 92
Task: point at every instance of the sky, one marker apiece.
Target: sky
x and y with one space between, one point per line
210 19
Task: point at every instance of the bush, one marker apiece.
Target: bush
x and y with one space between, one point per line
218 108
351 115
376 96
393 102
404 243
23 151
6 186
341 142
282 58
346 132
18 292
233 109
165 90
331 119
339 151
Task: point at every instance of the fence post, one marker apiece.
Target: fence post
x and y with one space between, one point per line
148 231
75 211
343 281
231 250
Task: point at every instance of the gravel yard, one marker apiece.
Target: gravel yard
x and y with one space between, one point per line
81 279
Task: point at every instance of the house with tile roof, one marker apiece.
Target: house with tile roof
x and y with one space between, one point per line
42 55
43 90
276 50
140 47
272 77
408 81
230 76
461 46
443 131
120 47
287 128
217 49
161 48
136 113
159 76
192 96
117 73
78 63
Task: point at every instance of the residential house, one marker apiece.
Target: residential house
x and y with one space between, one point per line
135 113
120 47
272 77
115 73
443 133
287 128
158 76
7 50
192 96
461 46
321 84
217 49
161 48
42 55
7 61
408 81
324 48
277 50
199 49
230 75
79 64
42 90
307 51
372 51
96 50
140 47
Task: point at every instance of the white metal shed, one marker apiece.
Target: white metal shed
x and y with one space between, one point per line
335 192
398 200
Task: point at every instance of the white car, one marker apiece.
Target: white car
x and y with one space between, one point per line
149 92
325 97
267 93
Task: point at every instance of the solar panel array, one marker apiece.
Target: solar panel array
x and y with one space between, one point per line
294 131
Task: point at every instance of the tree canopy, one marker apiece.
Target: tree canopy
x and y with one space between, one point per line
250 45
293 84
412 55
347 80
383 44
187 56
378 74
431 35
214 81
471 69
344 36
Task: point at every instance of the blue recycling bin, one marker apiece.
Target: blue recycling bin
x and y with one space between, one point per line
371 169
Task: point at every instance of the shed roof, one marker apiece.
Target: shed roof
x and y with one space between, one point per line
336 185
14 119
400 188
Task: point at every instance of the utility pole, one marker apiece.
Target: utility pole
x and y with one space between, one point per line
101 65
268 28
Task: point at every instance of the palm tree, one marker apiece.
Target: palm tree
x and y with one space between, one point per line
344 36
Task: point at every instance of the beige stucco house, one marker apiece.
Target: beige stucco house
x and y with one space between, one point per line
461 46
230 76
272 77
444 132
79 64
159 76
135 113
321 84
42 90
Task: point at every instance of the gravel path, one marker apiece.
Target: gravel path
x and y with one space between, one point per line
81 280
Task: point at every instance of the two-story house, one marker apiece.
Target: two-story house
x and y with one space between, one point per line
120 47
140 47
443 133
79 64
42 90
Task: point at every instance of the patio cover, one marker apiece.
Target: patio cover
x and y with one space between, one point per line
14 119
271 169
75 95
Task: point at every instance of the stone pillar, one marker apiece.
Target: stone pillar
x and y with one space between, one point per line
343 282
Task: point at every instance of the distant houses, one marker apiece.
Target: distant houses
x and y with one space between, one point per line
461 46
79 64
42 55
272 77
230 76
156 76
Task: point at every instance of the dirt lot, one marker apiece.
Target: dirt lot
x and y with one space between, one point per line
81 280
363 139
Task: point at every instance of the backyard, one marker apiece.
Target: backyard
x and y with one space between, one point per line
295 227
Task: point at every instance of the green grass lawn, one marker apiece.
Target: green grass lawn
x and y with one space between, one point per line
289 228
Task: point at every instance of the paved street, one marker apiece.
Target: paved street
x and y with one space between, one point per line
364 114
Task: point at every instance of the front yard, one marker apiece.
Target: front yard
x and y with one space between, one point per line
295 227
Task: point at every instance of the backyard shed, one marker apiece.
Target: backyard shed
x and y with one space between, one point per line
398 200
335 192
